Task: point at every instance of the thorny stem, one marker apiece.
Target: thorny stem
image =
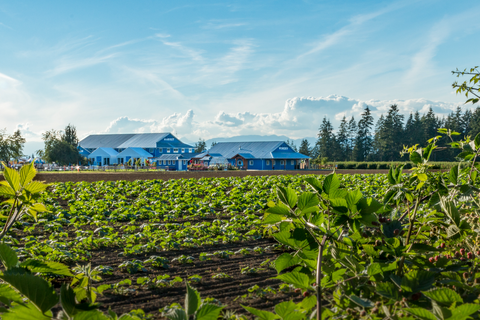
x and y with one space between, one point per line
319 278
409 234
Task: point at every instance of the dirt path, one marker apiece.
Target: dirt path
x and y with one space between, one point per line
132 176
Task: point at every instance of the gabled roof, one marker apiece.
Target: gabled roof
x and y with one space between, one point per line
104 140
109 151
245 155
122 141
169 157
143 140
257 149
135 152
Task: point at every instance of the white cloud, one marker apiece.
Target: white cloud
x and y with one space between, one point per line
177 123
300 117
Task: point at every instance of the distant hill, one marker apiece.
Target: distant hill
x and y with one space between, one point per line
272 137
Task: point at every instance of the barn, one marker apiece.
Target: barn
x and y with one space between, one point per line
257 155
108 149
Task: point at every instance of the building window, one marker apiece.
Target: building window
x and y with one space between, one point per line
183 150
190 150
250 163
184 162
292 162
268 162
175 150
274 162
168 150
281 162
169 162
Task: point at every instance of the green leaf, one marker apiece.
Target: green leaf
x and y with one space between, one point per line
287 196
389 228
374 269
35 187
286 260
331 183
12 177
421 313
477 141
27 173
415 157
264 315
353 197
6 190
284 308
280 209
208 312
365 303
176 314
464 311
67 300
449 208
8 256
307 200
91 315
192 300
33 287
315 184
390 178
443 296
272 218
52 267
453 176
25 312
422 177
299 280
417 280
388 290
7 292
427 151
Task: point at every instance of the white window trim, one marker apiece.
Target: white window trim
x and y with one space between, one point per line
292 162
183 150
250 162
190 150
268 162
169 162
175 150
168 150
274 162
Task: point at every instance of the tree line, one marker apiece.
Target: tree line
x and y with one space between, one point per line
383 141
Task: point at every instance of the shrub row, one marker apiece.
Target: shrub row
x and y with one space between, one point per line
387 165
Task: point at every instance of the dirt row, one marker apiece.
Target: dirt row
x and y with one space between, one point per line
132 176
228 291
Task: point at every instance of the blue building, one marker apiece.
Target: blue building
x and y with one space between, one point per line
259 155
108 149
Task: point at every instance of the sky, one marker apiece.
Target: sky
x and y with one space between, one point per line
206 69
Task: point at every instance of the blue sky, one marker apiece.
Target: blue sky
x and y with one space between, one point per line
208 69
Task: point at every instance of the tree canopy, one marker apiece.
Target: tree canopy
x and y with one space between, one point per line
11 146
61 147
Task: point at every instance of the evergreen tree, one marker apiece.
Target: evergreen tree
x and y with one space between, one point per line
474 124
342 140
389 138
326 142
305 147
363 139
430 125
352 134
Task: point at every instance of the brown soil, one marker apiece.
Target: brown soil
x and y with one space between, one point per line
132 176
228 291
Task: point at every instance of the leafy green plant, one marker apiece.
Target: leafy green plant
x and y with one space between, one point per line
132 267
22 193
193 308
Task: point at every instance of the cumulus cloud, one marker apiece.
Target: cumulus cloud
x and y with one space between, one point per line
300 117
174 123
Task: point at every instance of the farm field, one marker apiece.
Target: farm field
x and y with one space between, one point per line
402 245
205 229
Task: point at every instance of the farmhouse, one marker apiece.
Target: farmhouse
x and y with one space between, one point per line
109 149
259 155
